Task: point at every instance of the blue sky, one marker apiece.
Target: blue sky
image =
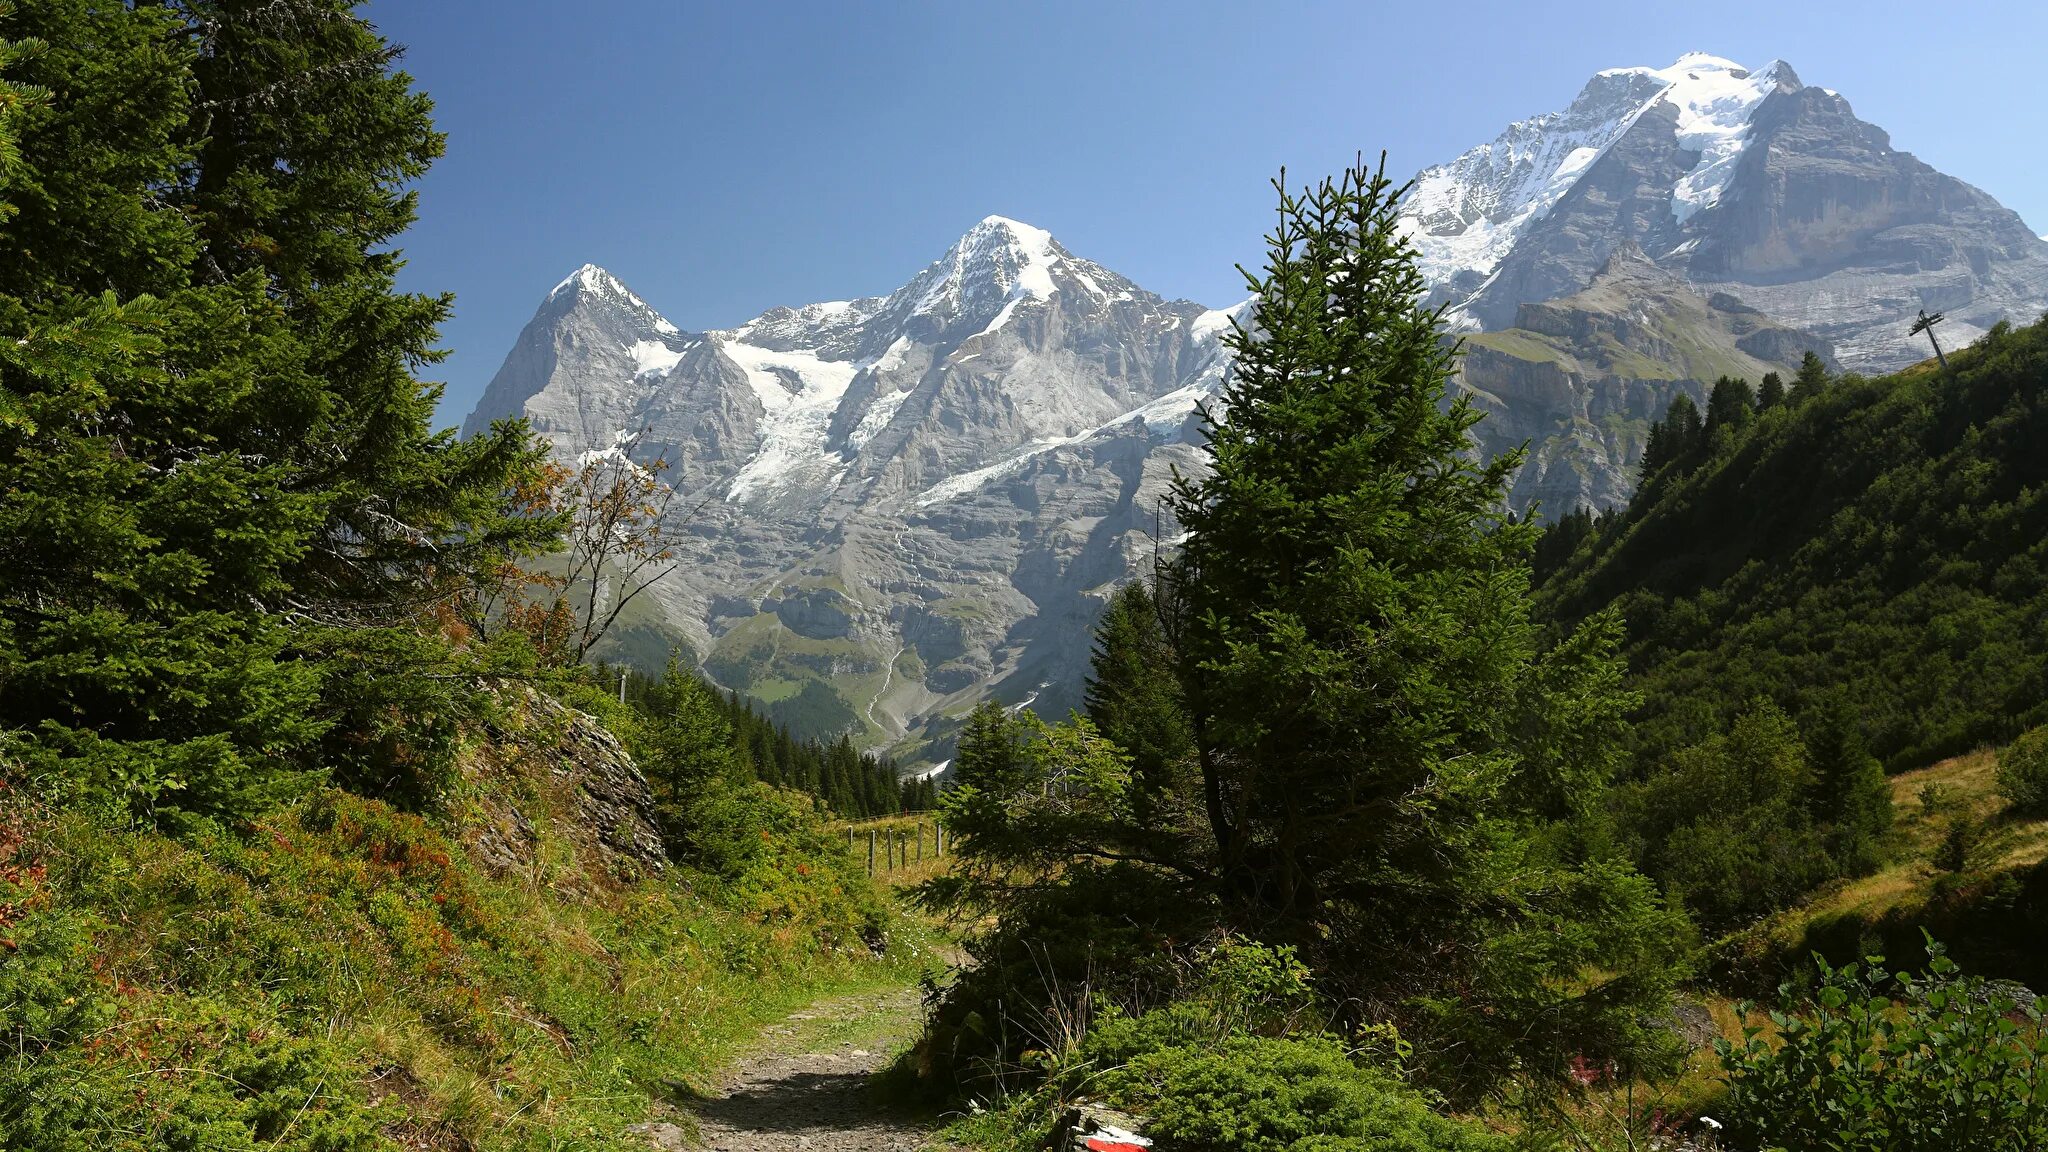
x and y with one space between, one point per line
726 158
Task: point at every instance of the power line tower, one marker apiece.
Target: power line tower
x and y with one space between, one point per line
1926 324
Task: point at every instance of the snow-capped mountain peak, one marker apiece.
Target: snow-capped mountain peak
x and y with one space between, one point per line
1466 215
590 284
1715 99
999 266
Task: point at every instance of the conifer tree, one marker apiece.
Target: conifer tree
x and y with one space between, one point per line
1132 695
1380 737
990 752
1811 380
1677 439
1730 407
1851 796
226 517
1770 392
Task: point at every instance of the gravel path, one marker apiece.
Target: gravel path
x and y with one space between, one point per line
808 1089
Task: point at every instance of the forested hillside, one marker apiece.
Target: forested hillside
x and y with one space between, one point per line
1817 579
1885 540
850 782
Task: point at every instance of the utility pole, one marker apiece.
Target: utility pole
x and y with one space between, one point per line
1926 324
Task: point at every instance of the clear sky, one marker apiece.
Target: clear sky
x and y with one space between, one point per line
725 158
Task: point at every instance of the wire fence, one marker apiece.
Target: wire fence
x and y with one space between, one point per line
896 846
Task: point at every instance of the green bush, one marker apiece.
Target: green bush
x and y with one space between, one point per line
1274 1094
1876 1062
1232 1056
214 1075
2023 773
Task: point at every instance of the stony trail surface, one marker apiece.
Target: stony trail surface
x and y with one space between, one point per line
807 1088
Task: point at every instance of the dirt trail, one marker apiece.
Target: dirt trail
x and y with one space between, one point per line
808 1088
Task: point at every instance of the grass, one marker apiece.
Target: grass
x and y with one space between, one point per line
904 873
444 1005
1522 345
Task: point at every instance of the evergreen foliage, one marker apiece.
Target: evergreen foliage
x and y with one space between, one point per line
1906 578
1390 760
1811 380
225 516
1675 441
1133 698
1770 391
1851 798
689 733
1730 406
1382 767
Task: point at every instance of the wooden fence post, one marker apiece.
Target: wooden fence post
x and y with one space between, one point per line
871 851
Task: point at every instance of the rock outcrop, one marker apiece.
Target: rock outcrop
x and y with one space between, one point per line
549 763
1579 379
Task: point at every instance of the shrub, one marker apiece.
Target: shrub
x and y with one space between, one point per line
1277 1094
2023 773
1958 844
1939 799
1876 1062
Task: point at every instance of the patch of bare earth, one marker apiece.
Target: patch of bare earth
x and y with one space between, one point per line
808 1088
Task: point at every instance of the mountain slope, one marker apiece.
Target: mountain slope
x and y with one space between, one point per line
906 497
906 501
1910 575
1748 183
1580 379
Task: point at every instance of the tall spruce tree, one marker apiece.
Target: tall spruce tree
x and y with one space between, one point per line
225 516
1132 696
1388 757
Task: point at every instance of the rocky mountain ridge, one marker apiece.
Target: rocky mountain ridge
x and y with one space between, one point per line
909 496
1579 379
903 503
1752 184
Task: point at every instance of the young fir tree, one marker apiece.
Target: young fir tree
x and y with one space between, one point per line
1132 696
225 513
1389 760
1770 392
1811 380
682 740
1852 799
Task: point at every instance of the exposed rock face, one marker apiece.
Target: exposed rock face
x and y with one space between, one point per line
909 496
907 502
1579 379
557 760
1748 183
612 796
